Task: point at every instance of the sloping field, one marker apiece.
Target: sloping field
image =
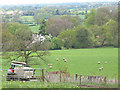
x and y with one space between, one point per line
81 61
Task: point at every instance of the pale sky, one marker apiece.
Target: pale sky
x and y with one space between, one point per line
19 2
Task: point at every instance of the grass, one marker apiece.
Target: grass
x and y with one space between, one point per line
80 61
17 84
27 18
35 29
84 61
30 21
82 16
21 84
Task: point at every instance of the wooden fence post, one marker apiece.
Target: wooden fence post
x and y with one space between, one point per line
80 79
43 75
76 76
60 76
105 80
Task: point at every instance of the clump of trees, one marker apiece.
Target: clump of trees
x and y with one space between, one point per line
99 29
19 44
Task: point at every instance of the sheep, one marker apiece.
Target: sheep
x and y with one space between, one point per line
49 64
98 62
57 59
65 60
50 67
100 69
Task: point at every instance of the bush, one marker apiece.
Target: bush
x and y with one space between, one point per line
56 43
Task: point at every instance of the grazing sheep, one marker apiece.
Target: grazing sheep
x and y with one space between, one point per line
50 67
65 60
98 62
100 69
49 64
57 59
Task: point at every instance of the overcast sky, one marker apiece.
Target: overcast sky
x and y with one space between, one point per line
19 2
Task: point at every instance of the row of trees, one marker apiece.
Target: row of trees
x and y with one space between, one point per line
100 28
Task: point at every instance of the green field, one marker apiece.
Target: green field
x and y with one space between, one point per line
35 29
27 18
82 61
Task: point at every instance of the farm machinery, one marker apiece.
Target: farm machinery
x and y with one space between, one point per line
19 71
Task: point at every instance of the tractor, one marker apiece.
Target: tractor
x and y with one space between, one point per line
19 71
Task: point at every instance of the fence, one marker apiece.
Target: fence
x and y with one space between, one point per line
61 77
56 76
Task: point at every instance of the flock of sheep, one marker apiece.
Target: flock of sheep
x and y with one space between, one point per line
50 65
101 68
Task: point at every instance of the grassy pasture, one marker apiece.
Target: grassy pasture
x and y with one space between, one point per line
27 18
35 29
30 21
81 61
84 61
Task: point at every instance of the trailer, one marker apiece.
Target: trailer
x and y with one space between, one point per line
19 71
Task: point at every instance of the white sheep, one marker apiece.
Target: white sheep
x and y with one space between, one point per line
65 60
50 67
49 64
57 59
100 69
98 62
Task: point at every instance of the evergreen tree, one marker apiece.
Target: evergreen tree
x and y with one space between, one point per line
42 28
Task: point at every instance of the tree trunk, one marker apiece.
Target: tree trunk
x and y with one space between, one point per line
26 58
103 42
